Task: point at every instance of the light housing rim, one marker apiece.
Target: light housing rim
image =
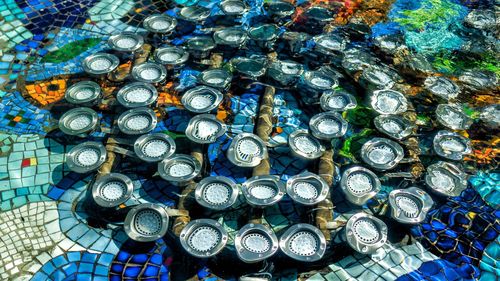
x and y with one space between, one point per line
298 152
125 89
132 232
133 112
82 169
147 137
136 72
193 162
424 199
363 198
200 188
68 116
278 186
114 38
322 190
192 225
320 239
71 90
332 115
148 20
405 124
357 244
99 183
200 90
184 55
211 118
248 256
458 176
395 147
232 154
114 62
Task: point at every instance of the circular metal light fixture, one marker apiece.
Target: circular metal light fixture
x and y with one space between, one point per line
264 34
451 145
307 188
194 13
255 242
201 99
171 55
365 233
280 9
232 36
337 100
490 115
200 46
394 126
205 128
285 72
442 87
126 42
217 78
154 147
303 242
137 121
263 191
83 92
389 102
381 154
318 81
329 44
247 150
78 121
149 72
100 63
319 14
146 222
216 193
253 68
305 146
179 169
409 205
446 179
327 125
203 238
137 94
233 7
375 77
160 23
86 157
453 117
359 185
112 190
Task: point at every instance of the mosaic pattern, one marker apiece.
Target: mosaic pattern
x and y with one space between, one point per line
50 229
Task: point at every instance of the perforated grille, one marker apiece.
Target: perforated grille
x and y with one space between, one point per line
205 130
388 103
150 73
155 148
391 126
381 154
248 147
138 122
262 191
305 190
137 95
366 231
306 144
337 102
160 24
147 222
87 157
82 93
328 126
217 193
201 101
256 243
303 243
442 181
180 169
113 191
408 205
170 56
126 42
322 82
79 122
452 144
359 183
204 238
100 64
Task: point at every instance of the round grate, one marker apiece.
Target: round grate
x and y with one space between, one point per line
408 206
147 222
217 193
262 191
160 24
381 154
87 157
303 243
100 64
337 102
201 102
83 93
305 190
452 144
138 122
149 73
137 95
256 243
359 183
366 231
170 56
79 122
391 126
389 102
204 238
205 129
328 126
247 147
155 148
113 191
233 7
126 42
180 169
306 144
442 181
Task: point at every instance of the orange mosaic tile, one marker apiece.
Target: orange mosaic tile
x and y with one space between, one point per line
48 92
